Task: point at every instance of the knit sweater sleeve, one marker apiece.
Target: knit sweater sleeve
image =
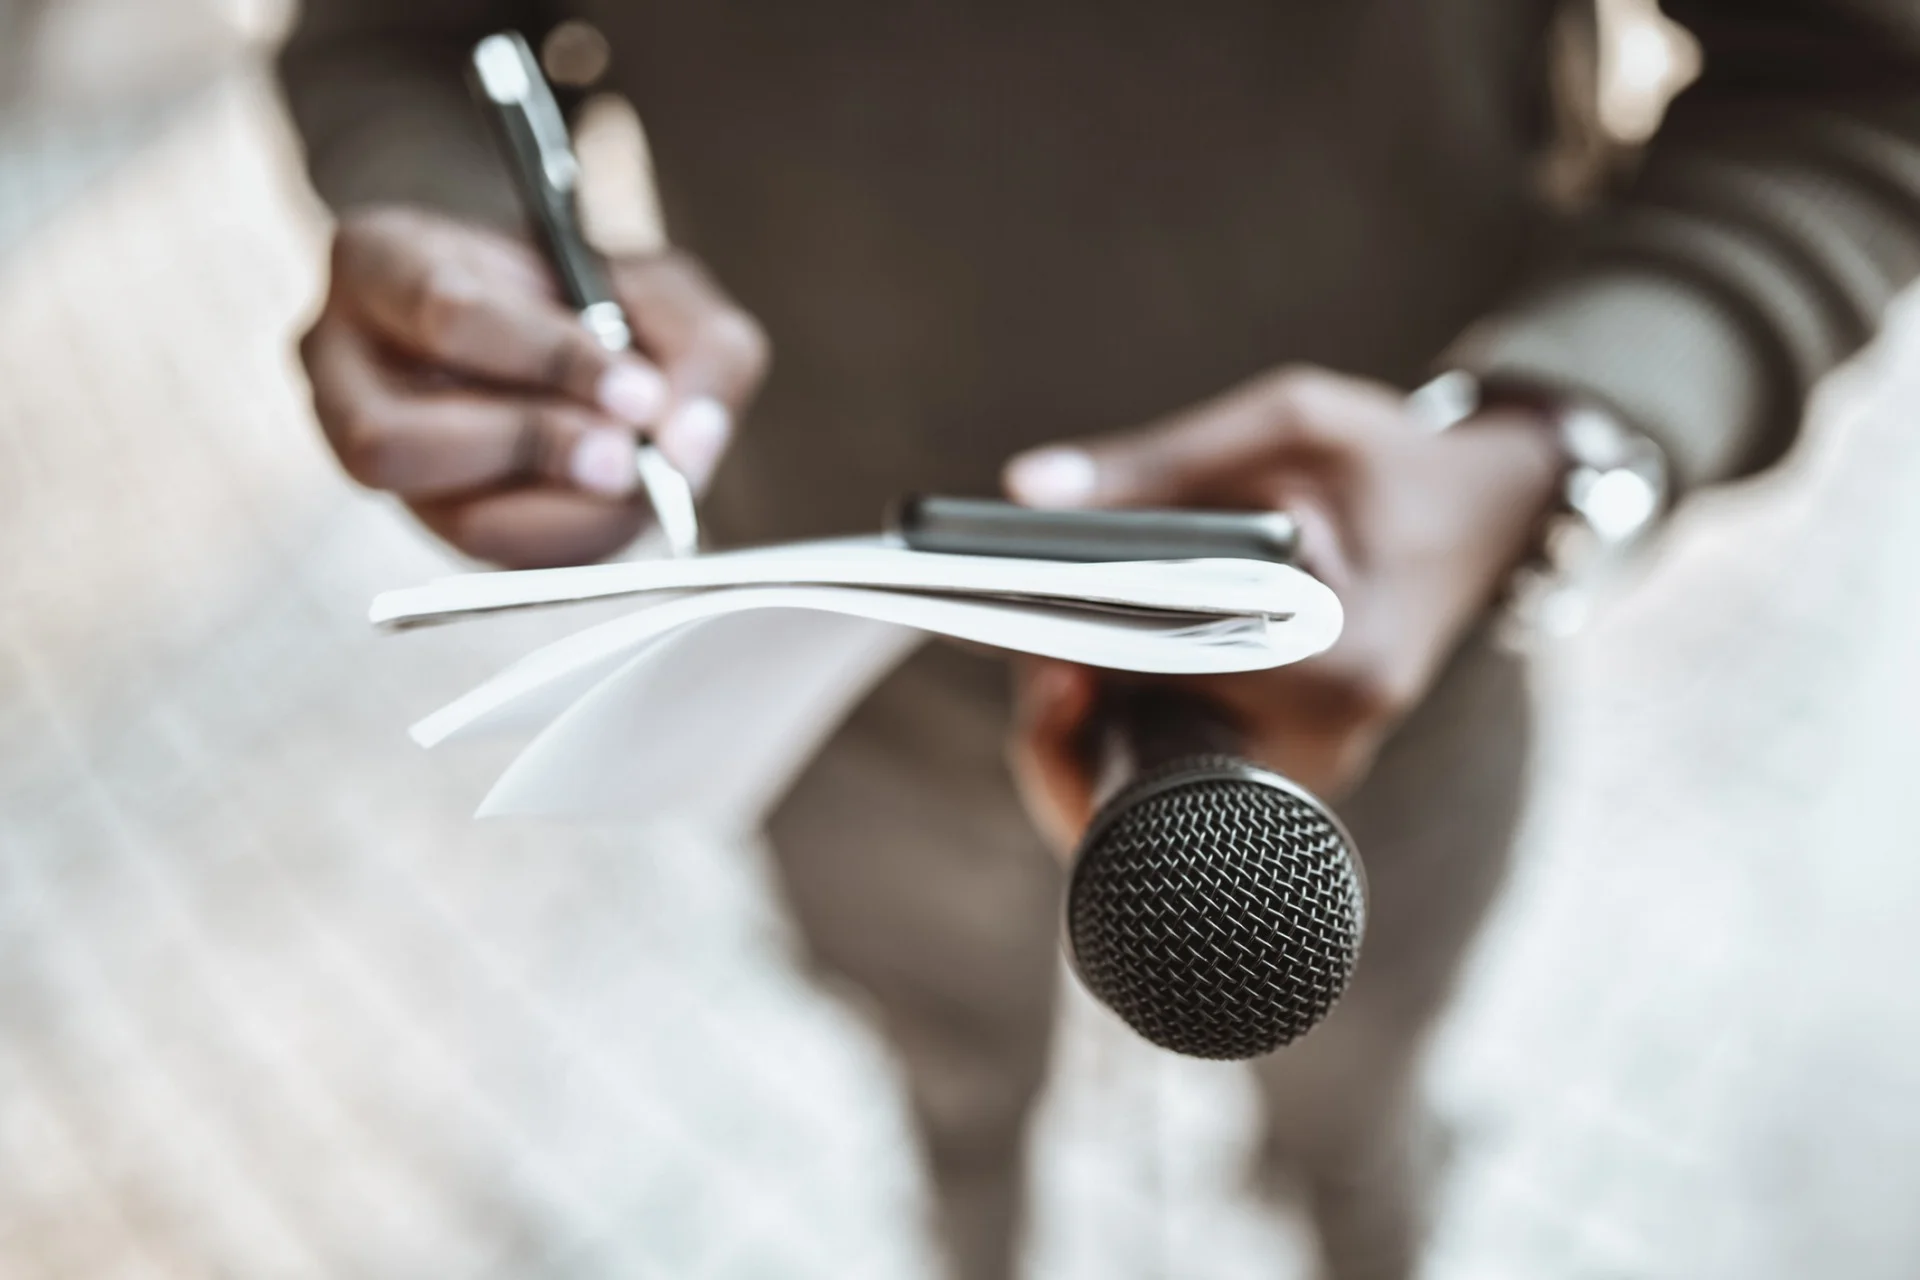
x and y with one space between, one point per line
1776 214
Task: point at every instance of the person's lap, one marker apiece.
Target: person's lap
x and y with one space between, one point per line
915 878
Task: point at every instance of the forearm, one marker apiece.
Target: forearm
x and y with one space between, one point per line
1774 217
375 88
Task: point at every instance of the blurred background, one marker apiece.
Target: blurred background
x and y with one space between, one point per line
272 1005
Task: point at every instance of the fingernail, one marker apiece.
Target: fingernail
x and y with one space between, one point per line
632 392
695 436
603 462
1056 477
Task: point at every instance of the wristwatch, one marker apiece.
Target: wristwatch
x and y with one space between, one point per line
1613 496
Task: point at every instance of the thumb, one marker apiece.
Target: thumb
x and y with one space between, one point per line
1173 462
1207 453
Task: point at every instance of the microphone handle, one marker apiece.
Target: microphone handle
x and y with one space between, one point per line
1135 729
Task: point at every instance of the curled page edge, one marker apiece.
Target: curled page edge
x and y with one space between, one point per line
649 742
1221 586
1175 646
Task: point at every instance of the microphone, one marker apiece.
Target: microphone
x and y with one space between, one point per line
1216 906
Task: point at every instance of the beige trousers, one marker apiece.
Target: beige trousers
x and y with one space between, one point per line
915 878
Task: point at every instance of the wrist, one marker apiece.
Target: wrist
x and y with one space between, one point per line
1517 466
1610 496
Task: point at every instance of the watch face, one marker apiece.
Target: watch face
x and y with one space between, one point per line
1618 503
1617 484
1595 439
1615 490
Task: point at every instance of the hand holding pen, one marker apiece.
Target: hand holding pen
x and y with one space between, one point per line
448 369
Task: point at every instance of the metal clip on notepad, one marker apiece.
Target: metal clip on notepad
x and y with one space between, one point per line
532 137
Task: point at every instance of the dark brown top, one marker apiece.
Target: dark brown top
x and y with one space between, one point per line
974 225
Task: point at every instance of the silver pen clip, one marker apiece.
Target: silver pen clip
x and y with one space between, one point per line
532 137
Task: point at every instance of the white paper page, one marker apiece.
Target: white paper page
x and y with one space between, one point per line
1162 644
706 700
1194 586
708 725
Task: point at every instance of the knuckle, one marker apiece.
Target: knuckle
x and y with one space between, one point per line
739 340
1273 491
332 408
345 249
376 219
357 226
574 359
666 268
346 261
461 525
1379 693
361 233
1298 396
673 260
367 449
308 347
536 444
1282 384
442 306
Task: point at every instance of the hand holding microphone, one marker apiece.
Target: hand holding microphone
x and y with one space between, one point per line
1215 904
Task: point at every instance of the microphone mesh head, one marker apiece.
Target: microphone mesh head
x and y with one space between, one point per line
1216 909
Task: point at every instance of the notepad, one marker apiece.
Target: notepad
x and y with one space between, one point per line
706 699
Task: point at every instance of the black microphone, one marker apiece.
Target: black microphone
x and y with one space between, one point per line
1216 906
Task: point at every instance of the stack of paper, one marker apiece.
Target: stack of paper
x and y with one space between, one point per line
707 699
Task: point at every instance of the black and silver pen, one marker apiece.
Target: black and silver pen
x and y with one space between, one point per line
532 137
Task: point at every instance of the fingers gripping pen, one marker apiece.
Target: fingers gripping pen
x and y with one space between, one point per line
532 137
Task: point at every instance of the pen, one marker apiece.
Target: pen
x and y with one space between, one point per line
532 137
